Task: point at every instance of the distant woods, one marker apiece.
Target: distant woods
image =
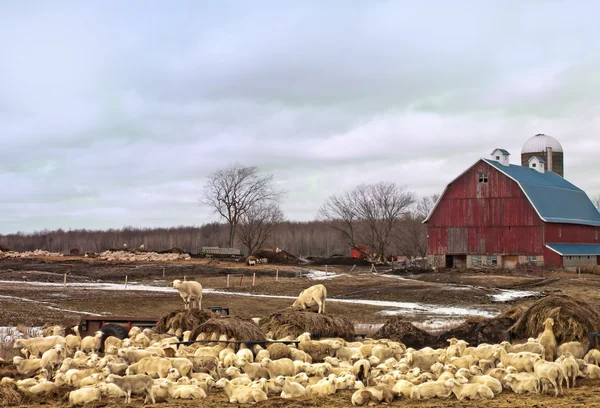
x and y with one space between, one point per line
301 238
384 216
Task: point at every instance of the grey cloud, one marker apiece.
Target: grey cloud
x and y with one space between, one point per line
113 114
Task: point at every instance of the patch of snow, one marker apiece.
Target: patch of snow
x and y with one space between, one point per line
8 334
506 295
98 286
441 311
314 274
436 324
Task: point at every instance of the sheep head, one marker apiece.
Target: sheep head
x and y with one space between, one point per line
177 283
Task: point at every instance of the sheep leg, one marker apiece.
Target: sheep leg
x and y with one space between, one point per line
199 303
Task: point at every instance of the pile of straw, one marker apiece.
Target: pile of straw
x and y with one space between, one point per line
232 327
183 319
293 322
9 397
573 319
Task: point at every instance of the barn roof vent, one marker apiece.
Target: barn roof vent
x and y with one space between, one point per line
502 156
537 163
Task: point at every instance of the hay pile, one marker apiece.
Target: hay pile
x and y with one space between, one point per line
398 329
183 319
291 322
573 319
9 397
232 327
475 330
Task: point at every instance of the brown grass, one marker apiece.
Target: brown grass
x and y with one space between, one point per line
573 319
183 319
232 327
291 322
9 397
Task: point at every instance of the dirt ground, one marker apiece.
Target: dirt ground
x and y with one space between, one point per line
27 304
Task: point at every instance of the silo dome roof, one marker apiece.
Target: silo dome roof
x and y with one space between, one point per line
539 143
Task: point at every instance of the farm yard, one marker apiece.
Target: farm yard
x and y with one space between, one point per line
33 294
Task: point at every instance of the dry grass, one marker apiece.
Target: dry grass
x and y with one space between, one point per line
183 319
232 327
9 397
292 322
573 319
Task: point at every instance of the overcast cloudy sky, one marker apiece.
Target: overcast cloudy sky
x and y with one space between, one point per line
112 113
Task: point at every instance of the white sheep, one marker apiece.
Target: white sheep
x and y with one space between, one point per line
27 366
553 372
283 366
372 396
53 357
324 387
241 394
291 389
592 357
133 384
314 296
190 292
182 391
38 345
547 339
431 389
522 383
92 343
570 367
73 341
86 395
462 390
575 348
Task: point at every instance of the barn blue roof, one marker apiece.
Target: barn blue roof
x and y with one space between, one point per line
554 198
575 249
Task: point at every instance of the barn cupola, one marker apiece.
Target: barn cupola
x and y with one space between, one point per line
502 156
537 163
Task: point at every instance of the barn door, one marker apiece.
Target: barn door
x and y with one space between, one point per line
458 240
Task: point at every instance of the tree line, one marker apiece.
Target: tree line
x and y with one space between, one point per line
387 217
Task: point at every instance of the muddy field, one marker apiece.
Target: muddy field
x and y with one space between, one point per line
32 293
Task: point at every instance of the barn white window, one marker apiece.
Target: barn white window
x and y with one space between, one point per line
596 235
533 164
476 261
483 177
531 259
560 232
492 260
498 158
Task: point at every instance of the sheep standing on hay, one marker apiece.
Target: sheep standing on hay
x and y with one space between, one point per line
548 340
314 296
190 291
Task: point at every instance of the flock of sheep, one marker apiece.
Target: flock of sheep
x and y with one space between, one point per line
152 365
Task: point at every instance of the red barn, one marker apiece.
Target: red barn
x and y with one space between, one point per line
499 215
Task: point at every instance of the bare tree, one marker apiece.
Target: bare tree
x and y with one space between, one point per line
233 191
411 235
368 213
258 225
425 205
596 201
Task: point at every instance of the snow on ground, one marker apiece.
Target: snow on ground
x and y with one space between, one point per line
506 295
314 274
8 334
396 308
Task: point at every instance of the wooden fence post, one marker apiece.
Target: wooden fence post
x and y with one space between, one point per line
65 280
352 268
227 280
163 272
241 280
325 270
253 278
184 278
277 275
125 281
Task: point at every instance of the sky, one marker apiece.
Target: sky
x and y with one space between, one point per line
113 113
